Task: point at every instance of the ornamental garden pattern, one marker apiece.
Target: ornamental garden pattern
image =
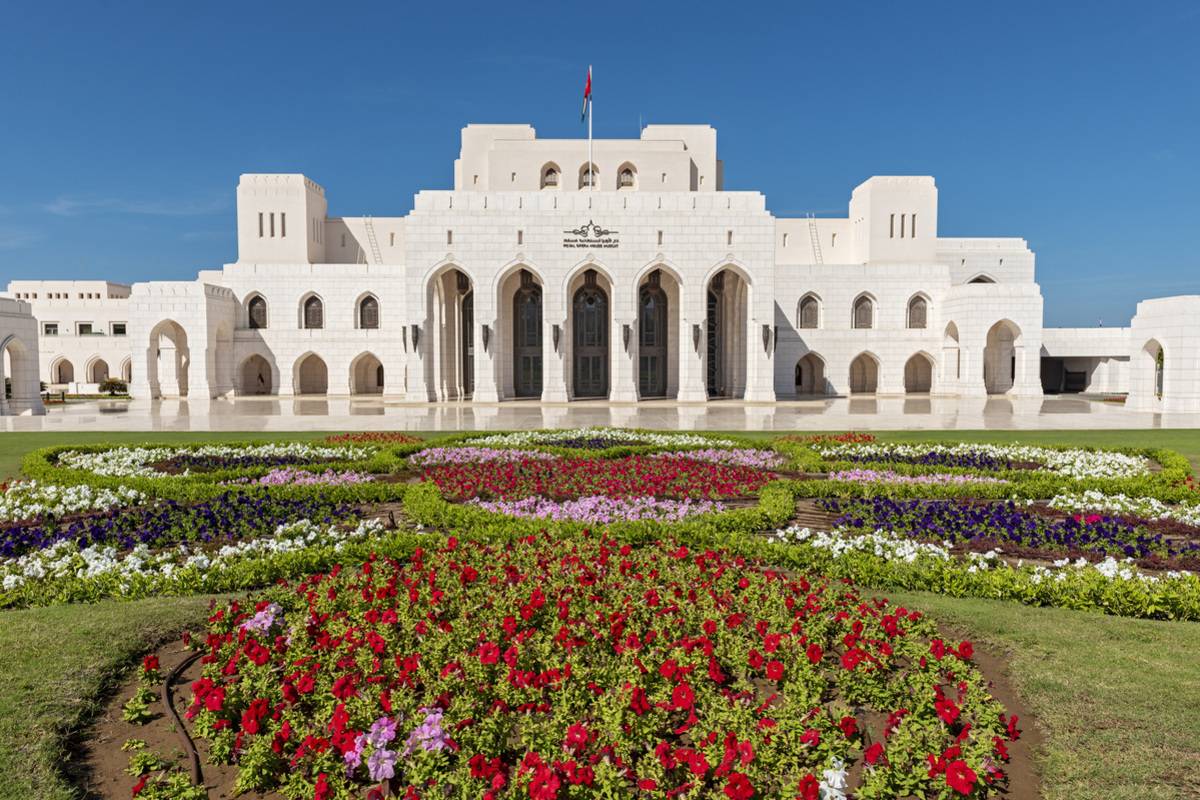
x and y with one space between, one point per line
597 612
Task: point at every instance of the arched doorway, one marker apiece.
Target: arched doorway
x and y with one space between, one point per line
366 375
726 300
918 374
590 338
127 370
19 376
654 337
98 371
864 374
451 299
1150 371
168 360
62 372
1000 357
255 376
810 375
311 375
527 336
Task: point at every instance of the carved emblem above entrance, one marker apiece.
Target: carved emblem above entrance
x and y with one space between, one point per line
591 235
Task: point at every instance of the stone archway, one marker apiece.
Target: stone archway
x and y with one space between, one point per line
311 375
590 330
450 299
97 370
19 377
256 376
518 340
168 359
366 375
62 372
1000 357
810 376
918 374
657 326
864 374
726 318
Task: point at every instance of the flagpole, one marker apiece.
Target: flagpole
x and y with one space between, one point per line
591 164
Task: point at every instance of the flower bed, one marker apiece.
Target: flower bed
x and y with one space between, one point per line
1006 525
738 457
599 509
1144 507
599 439
1074 463
124 462
881 559
299 477
569 478
888 476
436 456
29 500
373 437
609 671
63 572
230 517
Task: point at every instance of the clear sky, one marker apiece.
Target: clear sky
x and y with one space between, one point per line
1072 124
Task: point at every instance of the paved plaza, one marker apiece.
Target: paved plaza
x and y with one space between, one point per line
357 413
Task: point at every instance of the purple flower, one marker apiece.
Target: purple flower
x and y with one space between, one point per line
429 735
263 620
383 730
381 765
599 509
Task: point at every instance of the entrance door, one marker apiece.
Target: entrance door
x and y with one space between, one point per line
468 343
652 338
715 336
527 338
590 313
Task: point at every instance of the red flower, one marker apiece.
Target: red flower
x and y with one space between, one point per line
873 753
739 787
966 650
150 663
682 696
647 785
809 788
852 658
577 736
814 653
849 726
489 653
775 670
141 784
811 737
638 701
322 791
960 777
947 710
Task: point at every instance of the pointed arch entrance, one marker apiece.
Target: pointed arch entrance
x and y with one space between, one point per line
311 375
526 342
366 375
590 338
810 375
918 374
726 305
1000 357
864 374
654 334
255 376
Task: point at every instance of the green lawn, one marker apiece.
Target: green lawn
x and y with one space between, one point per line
1116 698
56 666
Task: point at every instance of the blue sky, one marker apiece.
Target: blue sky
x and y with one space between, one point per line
1074 125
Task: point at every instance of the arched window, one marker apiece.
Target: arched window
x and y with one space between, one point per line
982 279
588 176
368 313
626 177
810 311
314 313
864 313
917 312
257 311
550 177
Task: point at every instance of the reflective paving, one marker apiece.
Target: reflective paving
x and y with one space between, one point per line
381 413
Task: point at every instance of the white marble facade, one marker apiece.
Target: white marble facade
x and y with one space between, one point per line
19 359
539 276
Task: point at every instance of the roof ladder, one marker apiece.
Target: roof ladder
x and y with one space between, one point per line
815 237
371 240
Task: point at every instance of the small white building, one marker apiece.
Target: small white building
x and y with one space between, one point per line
635 276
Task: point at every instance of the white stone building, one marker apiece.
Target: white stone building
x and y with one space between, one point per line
636 276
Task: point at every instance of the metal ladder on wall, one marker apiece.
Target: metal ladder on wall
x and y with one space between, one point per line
372 241
815 237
